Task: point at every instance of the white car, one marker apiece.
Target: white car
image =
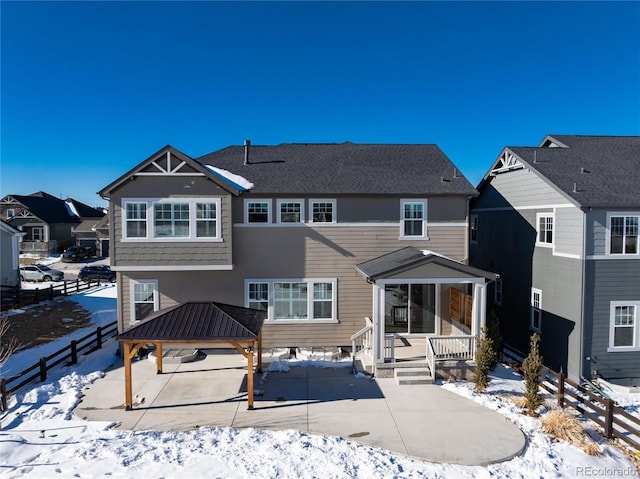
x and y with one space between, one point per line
40 272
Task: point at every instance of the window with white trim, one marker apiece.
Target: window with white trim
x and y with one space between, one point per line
623 331
322 211
257 211
290 211
291 300
536 310
497 292
144 298
473 229
544 229
172 220
623 234
10 213
413 216
37 234
258 296
135 220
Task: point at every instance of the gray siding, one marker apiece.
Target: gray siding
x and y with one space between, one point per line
609 280
516 189
297 253
568 231
170 253
10 275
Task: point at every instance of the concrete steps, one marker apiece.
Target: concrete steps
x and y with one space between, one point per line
413 375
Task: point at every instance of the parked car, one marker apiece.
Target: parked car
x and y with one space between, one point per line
40 272
75 253
97 272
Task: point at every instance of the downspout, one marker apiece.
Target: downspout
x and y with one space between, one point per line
583 299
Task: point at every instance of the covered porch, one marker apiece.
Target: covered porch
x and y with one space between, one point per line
427 308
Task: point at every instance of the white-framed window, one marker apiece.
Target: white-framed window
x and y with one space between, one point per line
536 310
10 213
413 216
290 211
37 234
144 298
623 234
623 330
257 211
258 295
177 219
293 299
322 211
473 229
544 227
497 292
135 215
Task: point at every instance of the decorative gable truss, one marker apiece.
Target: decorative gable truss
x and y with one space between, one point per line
168 163
507 161
19 210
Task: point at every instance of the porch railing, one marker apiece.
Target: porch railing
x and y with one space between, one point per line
362 341
452 347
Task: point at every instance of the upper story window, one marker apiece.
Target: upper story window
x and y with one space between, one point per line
623 330
165 220
623 234
497 292
10 213
258 211
290 211
323 211
545 229
473 229
413 216
536 309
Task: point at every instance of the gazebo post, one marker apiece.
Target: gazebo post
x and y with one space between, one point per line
128 395
259 367
250 375
159 358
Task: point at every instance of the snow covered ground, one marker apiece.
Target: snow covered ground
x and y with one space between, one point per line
41 437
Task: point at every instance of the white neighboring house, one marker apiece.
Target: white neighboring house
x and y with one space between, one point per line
9 255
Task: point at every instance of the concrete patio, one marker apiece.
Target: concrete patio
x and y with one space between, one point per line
426 422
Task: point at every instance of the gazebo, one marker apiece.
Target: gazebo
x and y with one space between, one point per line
196 323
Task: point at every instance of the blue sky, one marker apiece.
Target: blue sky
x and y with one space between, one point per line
90 89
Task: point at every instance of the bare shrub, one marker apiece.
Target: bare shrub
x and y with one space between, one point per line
562 425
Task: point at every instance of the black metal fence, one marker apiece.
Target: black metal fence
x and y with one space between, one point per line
68 355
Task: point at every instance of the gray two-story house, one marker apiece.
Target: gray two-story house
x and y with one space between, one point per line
339 243
559 224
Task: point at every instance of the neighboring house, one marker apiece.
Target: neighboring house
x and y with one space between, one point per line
559 224
47 221
321 236
93 233
9 255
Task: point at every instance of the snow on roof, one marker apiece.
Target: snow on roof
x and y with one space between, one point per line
71 208
234 180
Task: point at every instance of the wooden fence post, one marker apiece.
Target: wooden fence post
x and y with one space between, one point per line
51 291
65 288
3 395
77 285
561 390
74 351
37 295
43 369
608 418
99 337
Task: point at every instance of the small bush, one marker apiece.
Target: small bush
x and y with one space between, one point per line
532 366
485 356
562 425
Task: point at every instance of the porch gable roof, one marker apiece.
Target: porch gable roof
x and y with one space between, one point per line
198 321
408 258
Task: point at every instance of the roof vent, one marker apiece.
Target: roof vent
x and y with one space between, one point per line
247 143
583 170
575 187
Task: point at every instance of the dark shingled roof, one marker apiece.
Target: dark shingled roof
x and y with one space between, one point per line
196 321
54 210
410 257
605 170
346 168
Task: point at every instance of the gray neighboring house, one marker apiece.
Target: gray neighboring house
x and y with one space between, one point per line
9 255
93 233
559 224
332 240
46 220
